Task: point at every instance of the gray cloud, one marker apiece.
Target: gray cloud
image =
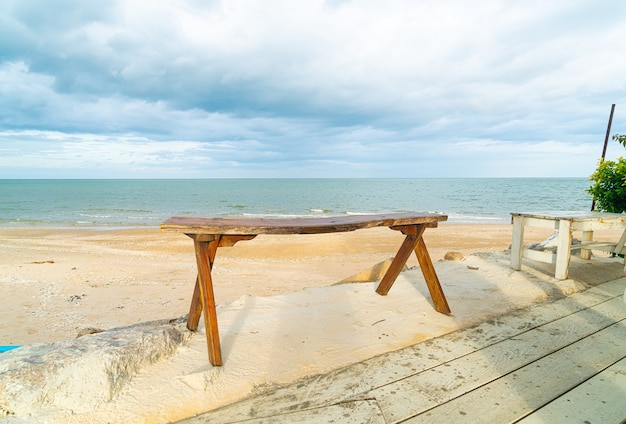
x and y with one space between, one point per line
309 88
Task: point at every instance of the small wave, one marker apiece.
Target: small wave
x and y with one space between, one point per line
477 219
118 210
86 215
19 222
142 217
359 213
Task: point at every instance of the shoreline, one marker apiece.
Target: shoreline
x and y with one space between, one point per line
155 226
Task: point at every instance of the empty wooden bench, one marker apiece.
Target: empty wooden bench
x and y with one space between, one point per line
565 223
210 233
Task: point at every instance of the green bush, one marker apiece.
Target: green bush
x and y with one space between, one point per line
609 183
609 188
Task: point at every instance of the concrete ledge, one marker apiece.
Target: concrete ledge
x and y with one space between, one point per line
80 374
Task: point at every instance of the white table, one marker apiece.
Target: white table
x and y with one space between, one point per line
565 223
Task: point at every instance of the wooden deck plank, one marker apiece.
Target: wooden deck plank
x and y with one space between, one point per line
356 412
356 380
437 385
601 399
527 389
611 288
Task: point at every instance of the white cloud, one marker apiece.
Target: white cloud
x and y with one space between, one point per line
547 147
292 88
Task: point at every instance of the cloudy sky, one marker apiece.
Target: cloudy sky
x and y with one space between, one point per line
309 88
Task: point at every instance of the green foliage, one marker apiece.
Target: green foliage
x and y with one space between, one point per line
621 139
609 184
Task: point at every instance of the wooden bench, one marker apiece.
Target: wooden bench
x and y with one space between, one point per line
565 223
210 233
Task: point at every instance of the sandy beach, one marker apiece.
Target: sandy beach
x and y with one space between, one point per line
55 282
282 316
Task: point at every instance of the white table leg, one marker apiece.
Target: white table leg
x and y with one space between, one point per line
563 251
517 242
586 253
620 246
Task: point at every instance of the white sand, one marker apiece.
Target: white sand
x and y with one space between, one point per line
274 330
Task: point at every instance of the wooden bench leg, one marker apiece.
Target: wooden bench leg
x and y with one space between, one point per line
203 298
432 281
563 250
195 309
408 245
415 243
517 243
205 256
587 237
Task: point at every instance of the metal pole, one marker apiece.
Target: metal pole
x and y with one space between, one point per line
608 131
606 142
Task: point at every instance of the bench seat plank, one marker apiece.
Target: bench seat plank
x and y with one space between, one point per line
197 225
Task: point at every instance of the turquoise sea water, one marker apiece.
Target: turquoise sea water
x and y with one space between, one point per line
139 203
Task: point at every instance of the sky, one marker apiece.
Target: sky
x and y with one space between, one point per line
309 88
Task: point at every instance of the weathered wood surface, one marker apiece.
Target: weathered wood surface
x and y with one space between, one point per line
196 225
492 370
452 382
579 216
581 221
601 399
531 387
358 412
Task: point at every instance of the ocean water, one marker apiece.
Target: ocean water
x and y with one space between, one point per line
147 203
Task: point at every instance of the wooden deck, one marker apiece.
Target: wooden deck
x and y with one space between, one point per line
560 362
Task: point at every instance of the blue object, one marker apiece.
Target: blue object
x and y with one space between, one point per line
5 348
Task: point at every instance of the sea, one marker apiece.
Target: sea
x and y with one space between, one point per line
115 203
